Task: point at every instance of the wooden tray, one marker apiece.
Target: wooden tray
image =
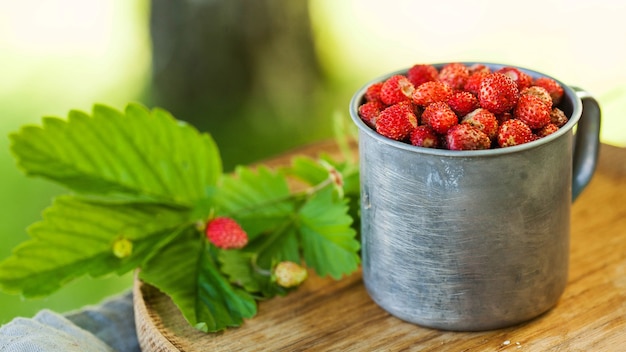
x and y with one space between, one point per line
328 315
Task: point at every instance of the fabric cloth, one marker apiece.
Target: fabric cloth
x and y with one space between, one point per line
107 327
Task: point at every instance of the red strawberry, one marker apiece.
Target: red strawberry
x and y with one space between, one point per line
504 117
498 93
289 274
395 89
557 117
396 122
439 117
532 111
473 82
372 93
419 74
466 137
225 233
552 86
462 103
430 92
369 112
424 136
409 104
522 79
483 120
475 68
514 132
507 106
547 130
454 74
539 92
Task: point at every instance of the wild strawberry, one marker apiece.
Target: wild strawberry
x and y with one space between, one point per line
462 103
514 132
289 274
454 74
439 117
396 122
547 130
498 93
369 112
225 233
521 78
557 117
483 120
419 74
539 92
395 89
473 82
532 111
504 117
431 92
466 137
372 93
424 136
409 104
479 68
552 86
507 106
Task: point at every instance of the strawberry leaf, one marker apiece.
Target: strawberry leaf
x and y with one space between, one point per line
328 241
186 271
259 200
78 237
306 169
254 279
136 155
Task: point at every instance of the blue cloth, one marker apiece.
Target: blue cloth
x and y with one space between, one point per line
107 327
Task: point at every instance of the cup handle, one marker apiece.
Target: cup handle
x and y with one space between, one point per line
586 143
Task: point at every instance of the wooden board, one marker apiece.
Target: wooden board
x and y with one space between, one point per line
327 315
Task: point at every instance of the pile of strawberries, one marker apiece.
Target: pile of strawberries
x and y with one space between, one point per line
463 107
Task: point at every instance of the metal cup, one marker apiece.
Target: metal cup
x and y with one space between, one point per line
472 240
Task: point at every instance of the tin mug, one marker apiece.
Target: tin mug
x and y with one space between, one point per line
472 240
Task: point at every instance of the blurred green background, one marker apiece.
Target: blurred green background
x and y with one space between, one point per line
264 77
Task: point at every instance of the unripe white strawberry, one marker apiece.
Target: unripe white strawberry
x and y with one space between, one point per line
289 274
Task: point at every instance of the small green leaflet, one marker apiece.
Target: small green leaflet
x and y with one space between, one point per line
144 185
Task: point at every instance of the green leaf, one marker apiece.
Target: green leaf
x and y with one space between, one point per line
307 170
240 267
78 237
328 241
259 200
186 271
278 246
138 155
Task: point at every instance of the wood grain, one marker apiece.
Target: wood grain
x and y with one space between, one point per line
327 315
